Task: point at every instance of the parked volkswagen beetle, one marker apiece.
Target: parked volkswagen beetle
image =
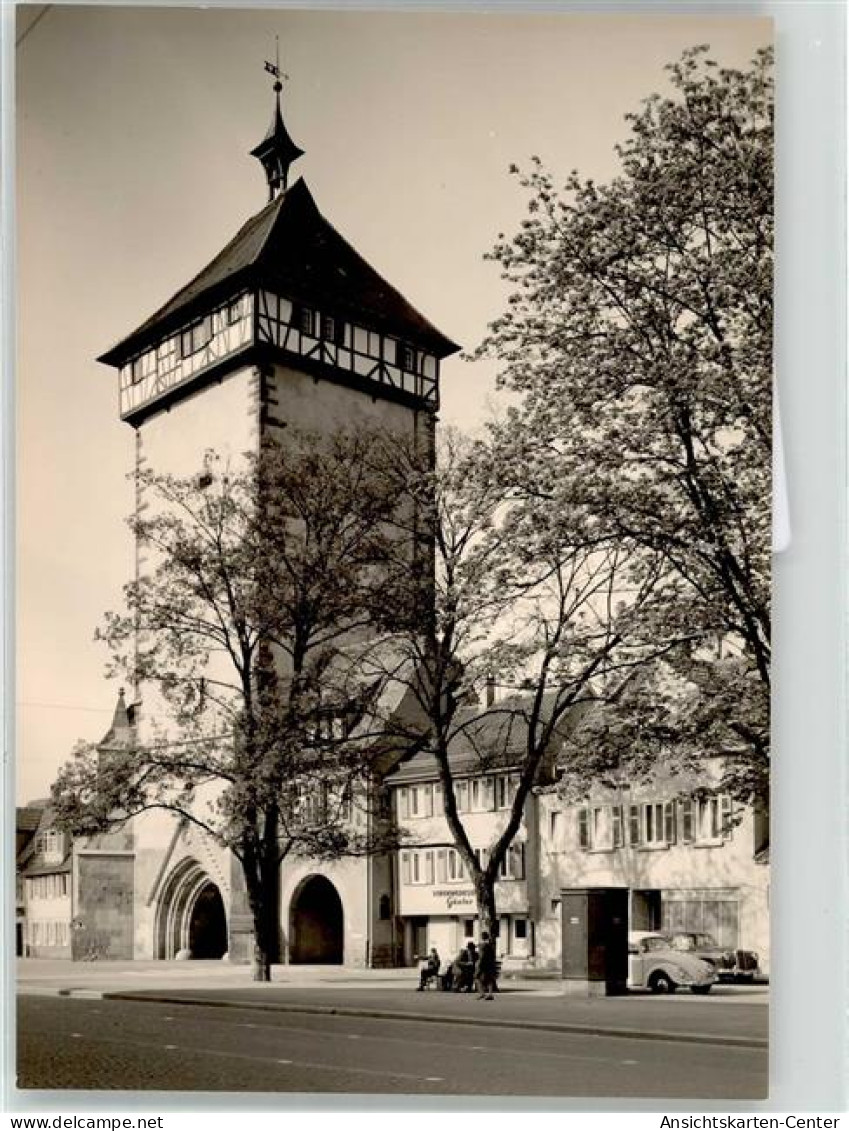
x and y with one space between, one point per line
732 965
654 965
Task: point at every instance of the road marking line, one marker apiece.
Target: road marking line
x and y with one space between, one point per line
630 1062
76 1034
353 1036
284 1062
434 1079
170 1046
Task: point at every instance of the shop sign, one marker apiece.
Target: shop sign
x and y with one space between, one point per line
448 899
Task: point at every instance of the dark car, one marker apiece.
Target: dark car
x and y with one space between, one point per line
731 964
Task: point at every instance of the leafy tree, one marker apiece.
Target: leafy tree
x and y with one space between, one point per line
638 339
539 604
246 629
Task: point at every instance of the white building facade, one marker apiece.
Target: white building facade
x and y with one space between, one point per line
691 859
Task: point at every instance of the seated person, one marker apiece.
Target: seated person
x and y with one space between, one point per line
462 972
430 969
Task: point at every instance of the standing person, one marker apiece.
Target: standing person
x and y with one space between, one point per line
486 969
473 968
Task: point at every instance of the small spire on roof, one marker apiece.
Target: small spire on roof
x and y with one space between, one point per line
120 720
276 151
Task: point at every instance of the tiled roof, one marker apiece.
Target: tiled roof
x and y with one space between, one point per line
291 246
28 817
485 738
42 869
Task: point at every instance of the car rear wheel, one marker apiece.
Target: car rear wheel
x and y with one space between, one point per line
661 983
700 989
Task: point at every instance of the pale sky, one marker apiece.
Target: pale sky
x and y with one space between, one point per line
134 127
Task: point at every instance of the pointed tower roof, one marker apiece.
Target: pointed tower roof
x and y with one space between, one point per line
277 151
291 246
120 732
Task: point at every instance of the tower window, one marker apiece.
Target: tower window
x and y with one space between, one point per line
196 336
304 319
405 357
332 329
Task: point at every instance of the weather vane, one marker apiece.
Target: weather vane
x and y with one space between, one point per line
274 68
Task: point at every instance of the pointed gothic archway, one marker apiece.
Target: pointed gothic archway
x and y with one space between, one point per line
190 915
316 923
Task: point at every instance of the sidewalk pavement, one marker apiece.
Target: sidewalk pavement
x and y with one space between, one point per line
536 1004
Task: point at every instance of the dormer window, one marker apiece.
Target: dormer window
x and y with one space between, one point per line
196 336
234 311
50 845
406 357
136 370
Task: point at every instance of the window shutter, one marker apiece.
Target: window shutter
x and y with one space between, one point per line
616 813
727 814
405 867
463 796
669 822
441 866
489 793
634 824
583 828
685 820
428 868
427 800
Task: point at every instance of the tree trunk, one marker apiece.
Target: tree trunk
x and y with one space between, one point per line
263 886
487 911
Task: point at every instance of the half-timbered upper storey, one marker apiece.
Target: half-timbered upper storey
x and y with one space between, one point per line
288 287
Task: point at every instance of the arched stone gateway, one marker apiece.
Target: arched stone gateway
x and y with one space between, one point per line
316 923
208 924
190 916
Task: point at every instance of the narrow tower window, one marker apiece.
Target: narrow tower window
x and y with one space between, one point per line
332 329
305 320
405 357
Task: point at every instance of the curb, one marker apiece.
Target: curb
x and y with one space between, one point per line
399 1015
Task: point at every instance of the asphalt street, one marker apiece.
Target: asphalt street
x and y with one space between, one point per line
729 1014
67 1042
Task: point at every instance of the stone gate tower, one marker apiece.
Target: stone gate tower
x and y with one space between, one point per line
287 326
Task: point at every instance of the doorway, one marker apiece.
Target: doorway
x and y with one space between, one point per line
208 925
317 924
645 910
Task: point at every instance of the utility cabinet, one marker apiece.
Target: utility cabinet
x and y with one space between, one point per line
595 941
